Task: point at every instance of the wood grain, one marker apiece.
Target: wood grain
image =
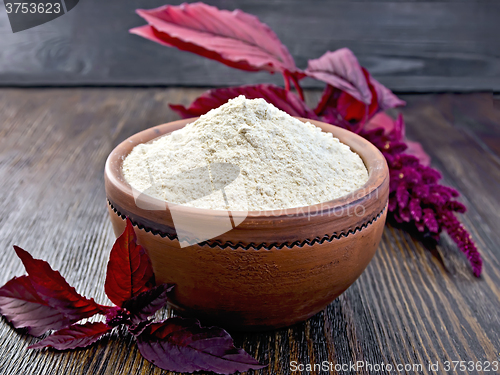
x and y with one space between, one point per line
413 304
408 45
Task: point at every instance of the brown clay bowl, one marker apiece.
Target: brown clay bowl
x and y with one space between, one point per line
275 268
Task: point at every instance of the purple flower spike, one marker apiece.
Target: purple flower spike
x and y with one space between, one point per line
415 195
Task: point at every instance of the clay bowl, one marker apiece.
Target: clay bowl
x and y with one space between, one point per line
272 270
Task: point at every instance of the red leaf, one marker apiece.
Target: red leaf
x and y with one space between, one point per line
354 110
147 303
341 69
182 345
385 97
129 270
280 98
236 39
23 307
382 99
51 287
416 149
350 90
387 123
382 120
339 108
328 100
75 336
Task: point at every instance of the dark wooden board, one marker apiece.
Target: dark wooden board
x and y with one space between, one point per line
409 45
413 305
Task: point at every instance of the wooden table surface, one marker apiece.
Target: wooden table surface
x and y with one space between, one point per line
413 304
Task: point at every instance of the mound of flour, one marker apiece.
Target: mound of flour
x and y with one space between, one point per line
245 155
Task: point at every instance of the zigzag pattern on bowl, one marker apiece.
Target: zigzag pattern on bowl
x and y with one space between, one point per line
253 246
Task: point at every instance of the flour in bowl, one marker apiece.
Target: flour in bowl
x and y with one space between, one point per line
245 155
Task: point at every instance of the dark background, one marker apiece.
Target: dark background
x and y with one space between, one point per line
411 46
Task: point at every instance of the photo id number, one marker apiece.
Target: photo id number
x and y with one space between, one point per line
46 8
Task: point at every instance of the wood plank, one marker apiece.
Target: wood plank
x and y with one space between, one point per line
413 305
411 46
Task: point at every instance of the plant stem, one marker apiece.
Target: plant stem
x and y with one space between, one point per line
297 86
286 77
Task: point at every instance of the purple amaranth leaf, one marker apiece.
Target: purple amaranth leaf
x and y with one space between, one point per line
24 308
399 128
385 97
147 303
341 70
328 100
129 271
279 97
334 117
327 109
350 91
52 288
388 126
74 336
236 39
182 345
416 149
338 108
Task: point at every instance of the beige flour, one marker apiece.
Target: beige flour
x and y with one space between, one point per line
282 161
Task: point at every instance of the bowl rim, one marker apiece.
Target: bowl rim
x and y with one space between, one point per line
372 158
